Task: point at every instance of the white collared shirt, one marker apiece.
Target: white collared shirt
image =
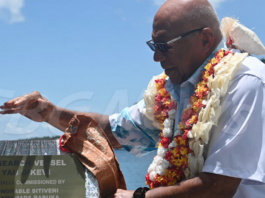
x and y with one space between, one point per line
237 144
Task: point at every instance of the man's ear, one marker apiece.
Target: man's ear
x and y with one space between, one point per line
207 39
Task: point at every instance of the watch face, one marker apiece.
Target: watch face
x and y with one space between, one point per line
138 193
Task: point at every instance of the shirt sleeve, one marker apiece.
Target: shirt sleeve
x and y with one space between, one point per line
134 131
237 145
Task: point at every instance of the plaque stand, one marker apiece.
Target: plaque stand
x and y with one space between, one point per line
46 147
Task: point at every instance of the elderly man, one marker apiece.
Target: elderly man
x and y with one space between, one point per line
234 165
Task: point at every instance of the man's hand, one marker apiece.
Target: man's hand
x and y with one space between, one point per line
33 105
124 193
205 185
39 109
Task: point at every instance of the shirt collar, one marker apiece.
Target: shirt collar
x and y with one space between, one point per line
195 78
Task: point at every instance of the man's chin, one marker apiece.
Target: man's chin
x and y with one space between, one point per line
175 79
170 71
173 75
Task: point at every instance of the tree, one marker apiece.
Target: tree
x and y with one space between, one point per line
43 138
263 60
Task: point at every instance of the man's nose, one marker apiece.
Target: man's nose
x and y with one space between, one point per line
159 56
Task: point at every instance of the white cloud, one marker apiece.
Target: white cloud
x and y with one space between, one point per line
10 10
20 125
215 3
10 129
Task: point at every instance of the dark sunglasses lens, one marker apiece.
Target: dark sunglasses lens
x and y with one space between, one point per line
152 46
162 47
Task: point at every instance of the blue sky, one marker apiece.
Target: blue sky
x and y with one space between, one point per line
85 55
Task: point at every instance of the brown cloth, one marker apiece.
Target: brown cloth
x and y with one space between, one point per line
85 138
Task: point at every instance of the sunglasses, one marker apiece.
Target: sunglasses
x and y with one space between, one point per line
163 47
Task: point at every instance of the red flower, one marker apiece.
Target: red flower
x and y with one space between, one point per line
168 156
166 93
184 136
184 165
219 57
165 113
180 172
158 107
158 97
172 105
228 52
230 41
186 115
211 72
165 99
147 178
165 142
160 81
154 184
188 123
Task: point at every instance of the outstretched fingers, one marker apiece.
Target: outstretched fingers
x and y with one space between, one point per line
16 105
11 103
31 105
11 111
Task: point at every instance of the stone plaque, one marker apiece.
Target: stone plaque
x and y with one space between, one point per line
48 176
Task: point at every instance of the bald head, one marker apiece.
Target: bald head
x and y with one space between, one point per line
181 16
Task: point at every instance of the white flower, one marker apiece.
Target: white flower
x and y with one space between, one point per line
149 99
195 164
201 130
160 170
172 145
172 114
217 111
156 124
207 110
190 134
149 113
151 167
167 132
165 164
204 102
152 175
168 123
197 147
158 160
170 165
161 151
177 132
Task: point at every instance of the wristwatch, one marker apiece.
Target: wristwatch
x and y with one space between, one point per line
140 192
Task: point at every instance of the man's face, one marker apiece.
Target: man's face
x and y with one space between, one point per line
181 60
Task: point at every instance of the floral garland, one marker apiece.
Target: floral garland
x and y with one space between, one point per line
182 158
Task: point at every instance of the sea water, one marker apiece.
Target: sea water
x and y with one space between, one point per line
134 168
